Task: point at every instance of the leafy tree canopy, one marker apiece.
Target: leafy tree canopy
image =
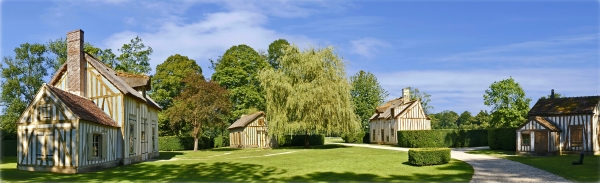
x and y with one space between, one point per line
237 71
135 57
508 102
444 120
309 94
276 50
366 95
423 98
201 104
59 48
167 82
22 77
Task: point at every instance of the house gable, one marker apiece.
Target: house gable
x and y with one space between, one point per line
46 107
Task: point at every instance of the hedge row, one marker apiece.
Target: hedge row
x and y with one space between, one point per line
442 138
298 140
9 147
356 138
428 156
174 143
503 139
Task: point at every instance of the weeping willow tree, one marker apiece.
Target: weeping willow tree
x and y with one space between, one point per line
308 94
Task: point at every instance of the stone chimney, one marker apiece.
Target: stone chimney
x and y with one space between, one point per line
552 94
76 64
405 95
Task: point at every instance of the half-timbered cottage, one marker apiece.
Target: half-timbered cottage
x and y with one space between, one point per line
560 126
249 131
88 117
397 115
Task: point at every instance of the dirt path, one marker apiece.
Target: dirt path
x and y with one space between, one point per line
489 168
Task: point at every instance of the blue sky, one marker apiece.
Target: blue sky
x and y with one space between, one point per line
452 50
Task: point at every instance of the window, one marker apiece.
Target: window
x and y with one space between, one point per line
44 148
525 139
97 146
373 136
153 137
40 146
576 135
45 112
131 139
392 132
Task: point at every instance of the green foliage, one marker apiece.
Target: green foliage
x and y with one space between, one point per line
482 120
167 82
508 102
428 156
556 95
366 95
298 140
276 50
442 138
423 98
200 105
218 142
22 76
237 71
503 139
174 143
367 138
309 94
135 57
444 120
356 138
9 147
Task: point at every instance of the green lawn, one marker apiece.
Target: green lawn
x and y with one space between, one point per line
559 165
323 163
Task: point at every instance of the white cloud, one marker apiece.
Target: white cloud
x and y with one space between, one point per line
207 38
367 47
463 90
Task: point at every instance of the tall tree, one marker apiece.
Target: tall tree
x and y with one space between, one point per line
508 102
366 95
21 79
237 71
445 120
466 121
482 119
200 105
309 94
276 50
424 98
135 57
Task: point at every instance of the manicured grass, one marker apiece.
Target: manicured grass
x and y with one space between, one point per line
559 165
333 140
328 163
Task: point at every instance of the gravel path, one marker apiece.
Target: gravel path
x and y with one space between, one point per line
489 168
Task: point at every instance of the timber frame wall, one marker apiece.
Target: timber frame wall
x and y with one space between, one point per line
384 131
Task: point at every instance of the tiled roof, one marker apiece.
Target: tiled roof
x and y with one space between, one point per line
83 108
544 122
135 80
570 105
245 120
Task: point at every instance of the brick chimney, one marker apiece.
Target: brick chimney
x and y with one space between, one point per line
406 95
76 64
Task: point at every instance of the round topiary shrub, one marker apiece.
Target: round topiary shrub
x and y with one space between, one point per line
428 156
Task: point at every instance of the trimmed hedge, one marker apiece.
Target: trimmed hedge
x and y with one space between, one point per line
9 147
354 138
442 138
503 139
428 156
174 143
298 140
367 138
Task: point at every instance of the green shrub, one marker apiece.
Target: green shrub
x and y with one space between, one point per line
503 139
174 143
367 138
356 138
9 147
218 142
428 156
298 140
442 138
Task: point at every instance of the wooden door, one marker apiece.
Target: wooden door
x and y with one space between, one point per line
541 142
382 135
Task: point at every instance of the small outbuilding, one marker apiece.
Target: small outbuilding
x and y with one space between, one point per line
250 131
560 126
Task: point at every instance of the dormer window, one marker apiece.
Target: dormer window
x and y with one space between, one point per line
44 112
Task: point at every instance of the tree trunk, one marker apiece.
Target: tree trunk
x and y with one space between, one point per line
195 143
306 145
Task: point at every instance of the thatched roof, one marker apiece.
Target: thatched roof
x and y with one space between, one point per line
245 120
569 105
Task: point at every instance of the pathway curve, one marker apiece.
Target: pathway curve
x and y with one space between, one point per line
489 168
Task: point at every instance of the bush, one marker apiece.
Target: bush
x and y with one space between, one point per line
298 140
503 139
428 156
367 138
9 147
442 138
174 143
354 138
218 142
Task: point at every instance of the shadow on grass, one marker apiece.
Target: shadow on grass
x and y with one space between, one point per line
225 149
491 152
326 146
168 154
